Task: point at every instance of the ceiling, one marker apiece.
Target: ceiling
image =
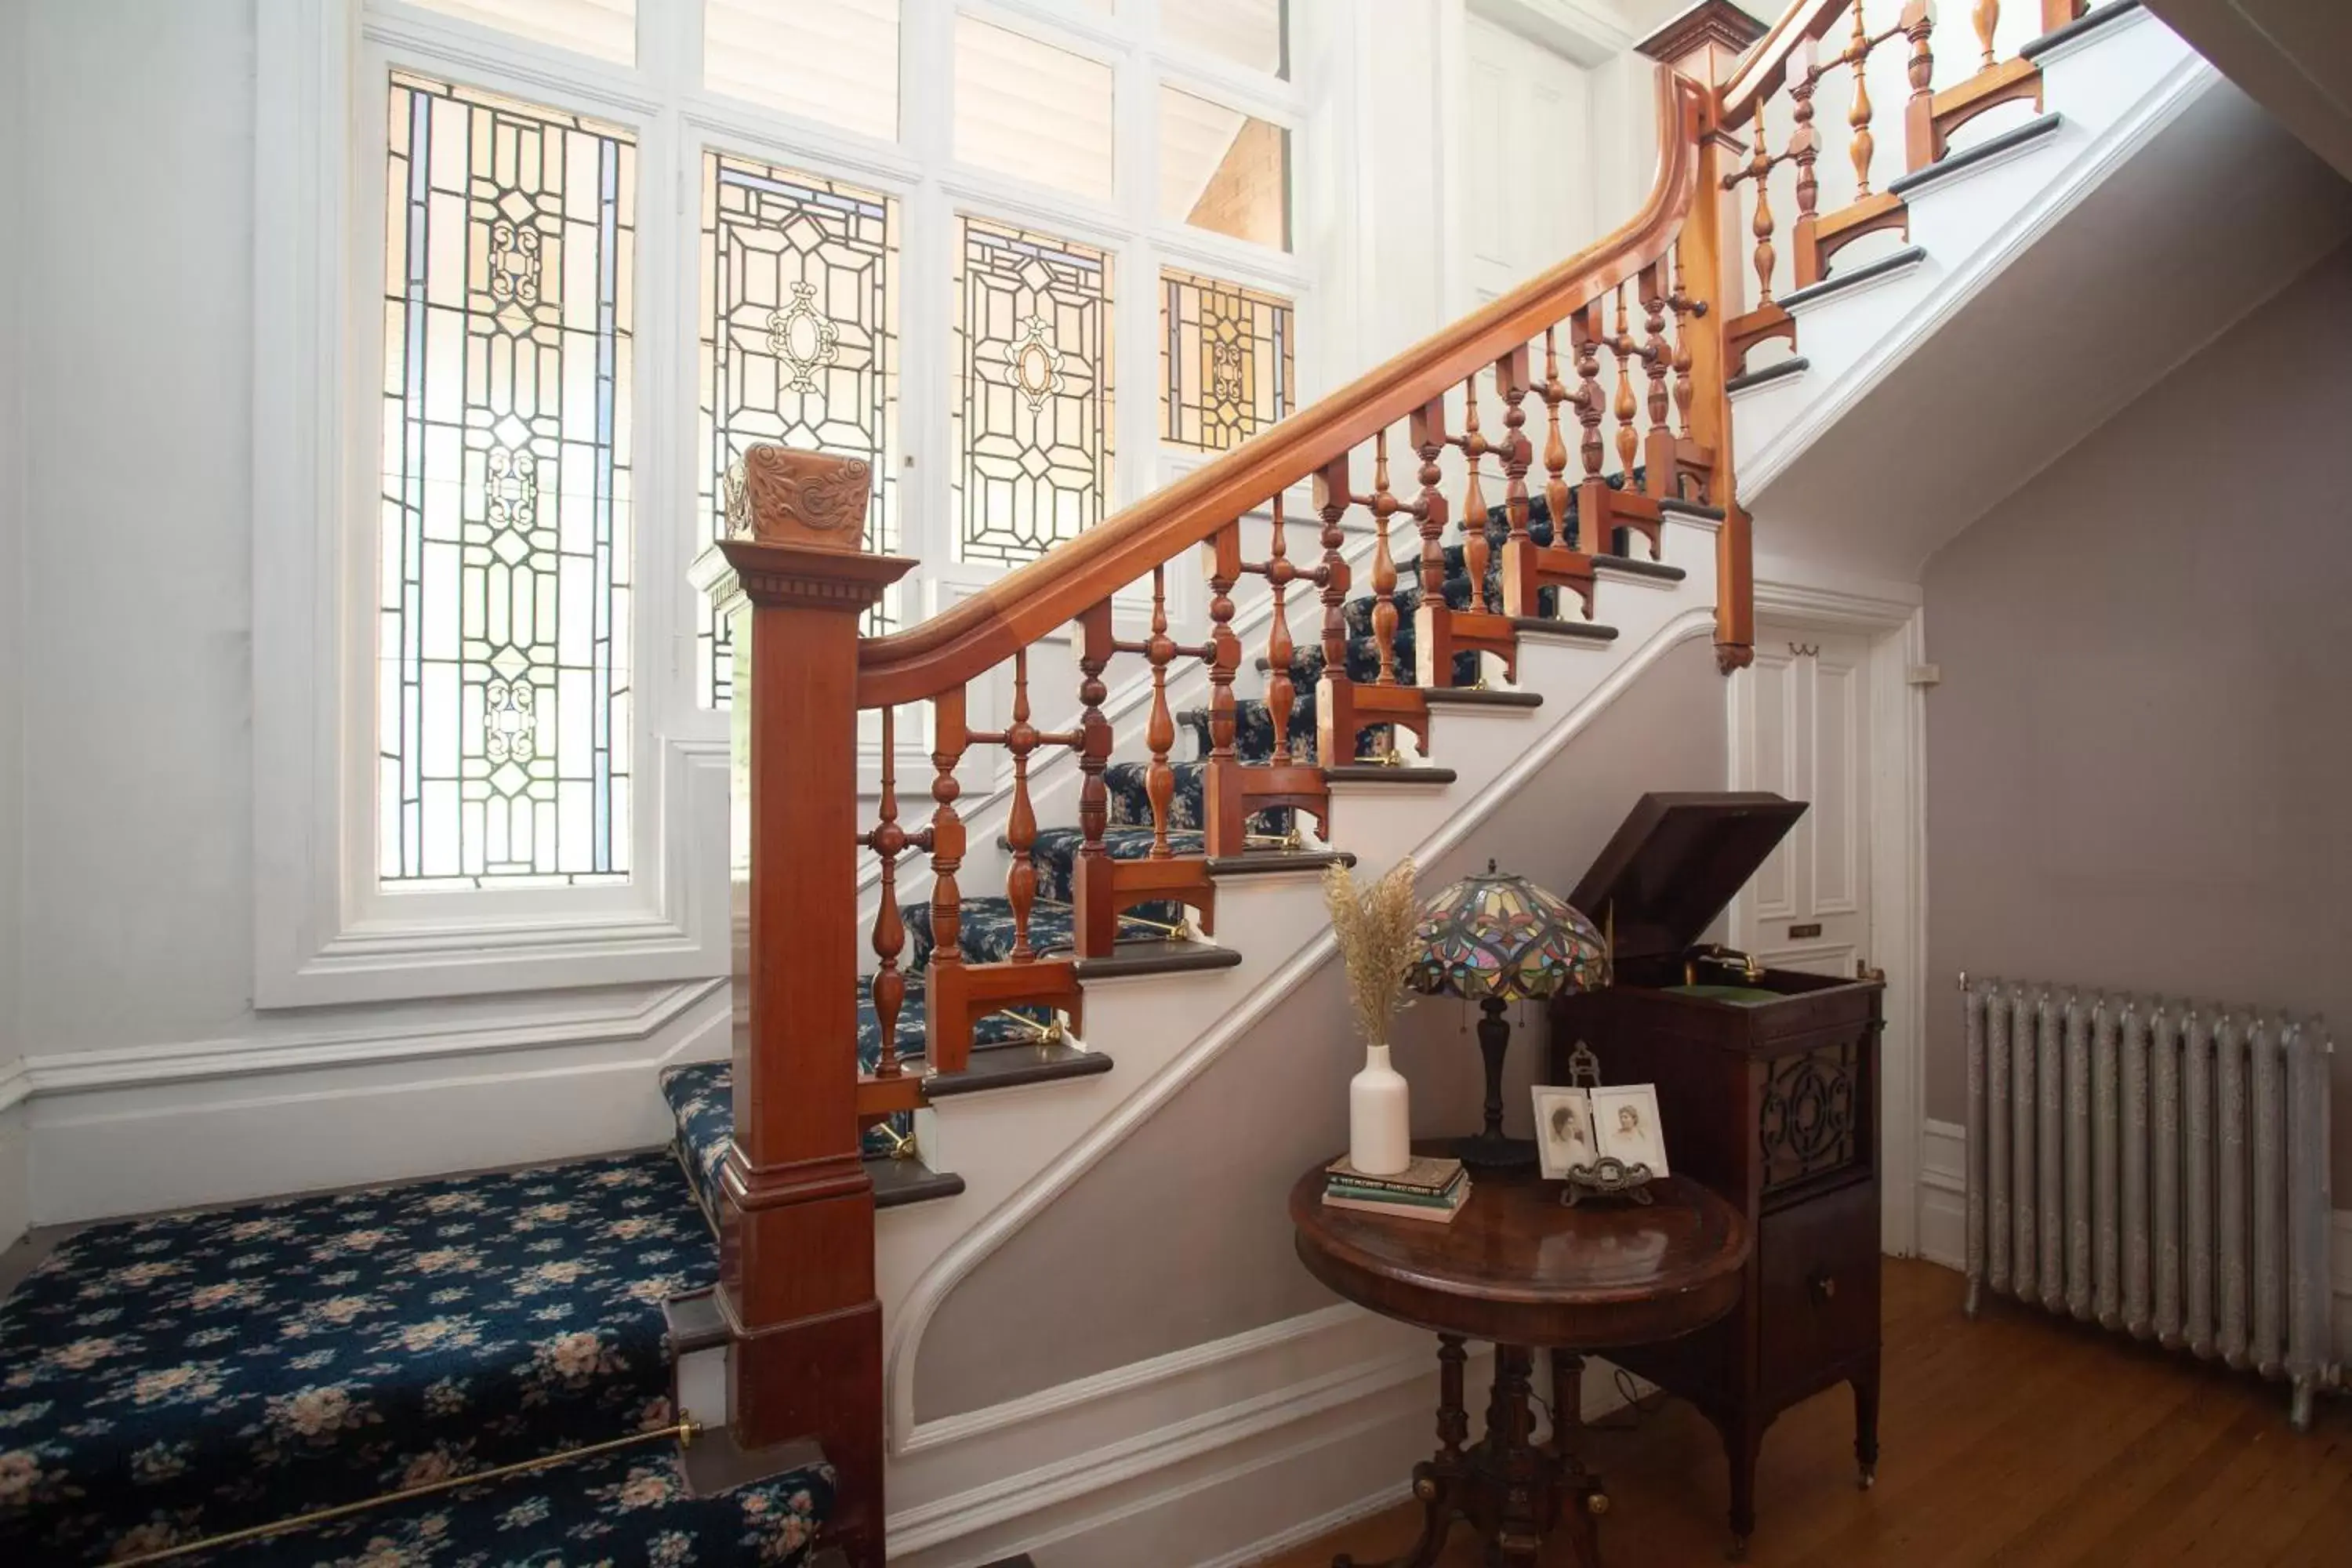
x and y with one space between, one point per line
2292 56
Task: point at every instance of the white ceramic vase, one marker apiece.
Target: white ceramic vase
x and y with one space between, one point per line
1379 1117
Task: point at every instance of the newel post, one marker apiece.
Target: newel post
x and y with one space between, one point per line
1705 44
796 1209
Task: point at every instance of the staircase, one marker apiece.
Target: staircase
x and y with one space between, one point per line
639 1359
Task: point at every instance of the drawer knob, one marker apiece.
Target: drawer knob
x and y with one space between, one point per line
1824 1287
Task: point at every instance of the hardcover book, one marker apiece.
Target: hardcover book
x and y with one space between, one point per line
1427 1174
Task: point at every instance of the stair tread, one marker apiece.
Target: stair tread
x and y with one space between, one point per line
633 1505
1966 158
182 1376
903 1179
2090 21
1854 277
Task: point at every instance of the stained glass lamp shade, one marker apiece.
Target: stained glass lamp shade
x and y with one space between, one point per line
1496 939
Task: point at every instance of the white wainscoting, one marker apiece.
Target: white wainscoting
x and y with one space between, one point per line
1943 1226
389 1096
1205 1458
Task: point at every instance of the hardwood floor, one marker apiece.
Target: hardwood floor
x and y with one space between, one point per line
2017 1439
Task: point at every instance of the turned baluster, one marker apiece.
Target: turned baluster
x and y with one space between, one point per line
1554 393
1987 20
1281 691
1804 150
889 840
1021 822
1686 311
1659 446
1919 113
950 736
1427 432
1760 169
1159 731
1095 649
1858 53
1517 452
1585 332
1331 503
1623 349
1384 505
1224 649
1474 447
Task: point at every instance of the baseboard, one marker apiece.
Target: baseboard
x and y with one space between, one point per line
150 1128
1212 1457
1943 1193
1943 1221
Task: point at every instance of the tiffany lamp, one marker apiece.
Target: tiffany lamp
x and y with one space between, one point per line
1496 939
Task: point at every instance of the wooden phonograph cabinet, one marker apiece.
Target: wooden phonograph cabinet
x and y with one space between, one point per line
1768 1090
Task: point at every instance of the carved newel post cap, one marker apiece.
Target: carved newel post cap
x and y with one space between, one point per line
776 495
1705 41
796 533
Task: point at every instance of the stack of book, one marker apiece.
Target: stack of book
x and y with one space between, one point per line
1430 1188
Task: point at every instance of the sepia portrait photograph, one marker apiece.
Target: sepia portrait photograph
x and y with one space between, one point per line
1563 1130
1625 1126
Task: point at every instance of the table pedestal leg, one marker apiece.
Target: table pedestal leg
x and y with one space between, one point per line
1510 1489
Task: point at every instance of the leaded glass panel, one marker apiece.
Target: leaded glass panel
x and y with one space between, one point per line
503 610
799 281
1225 361
1032 410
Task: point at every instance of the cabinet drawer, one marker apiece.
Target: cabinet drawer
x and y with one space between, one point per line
1819 1283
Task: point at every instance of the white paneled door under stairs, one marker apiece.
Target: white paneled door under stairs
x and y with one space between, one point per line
1799 728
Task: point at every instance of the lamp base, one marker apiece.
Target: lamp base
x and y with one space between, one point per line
1492 1151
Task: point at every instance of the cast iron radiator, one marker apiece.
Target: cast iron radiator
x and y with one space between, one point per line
2158 1167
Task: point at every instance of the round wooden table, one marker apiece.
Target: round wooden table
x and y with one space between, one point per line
1517 1269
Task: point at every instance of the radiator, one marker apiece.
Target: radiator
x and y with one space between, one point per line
2159 1168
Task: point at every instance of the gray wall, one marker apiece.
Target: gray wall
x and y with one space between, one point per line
2137 760
1177 1236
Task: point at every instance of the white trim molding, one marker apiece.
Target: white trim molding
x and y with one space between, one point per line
1890 615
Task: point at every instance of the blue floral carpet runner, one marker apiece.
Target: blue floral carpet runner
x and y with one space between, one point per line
168 1380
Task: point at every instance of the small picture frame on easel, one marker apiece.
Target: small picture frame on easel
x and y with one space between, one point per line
1602 1142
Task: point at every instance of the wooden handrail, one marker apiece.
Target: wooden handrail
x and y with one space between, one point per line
989 627
1764 67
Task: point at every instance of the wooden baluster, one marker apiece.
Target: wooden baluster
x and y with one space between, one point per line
1555 393
1517 452
1160 732
888 841
1804 150
1475 551
1684 315
1622 349
1281 691
1658 447
949 735
1224 649
1021 822
1331 503
1858 52
1096 923
1760 169
1428 434
1384 505
1919 113
1584 336
1987 20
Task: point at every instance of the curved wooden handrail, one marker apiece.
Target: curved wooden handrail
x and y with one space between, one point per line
982 631
1765 66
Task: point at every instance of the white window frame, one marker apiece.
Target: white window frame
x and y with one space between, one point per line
327 931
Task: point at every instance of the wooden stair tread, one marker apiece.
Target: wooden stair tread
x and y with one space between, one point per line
1985 151
902 1179
1274 862
1382 773
1479 697
1909 255
1013 1066
2090 21
1128 958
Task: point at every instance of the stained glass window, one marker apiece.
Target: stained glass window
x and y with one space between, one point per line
1032 410
503 611
1225 361
799 277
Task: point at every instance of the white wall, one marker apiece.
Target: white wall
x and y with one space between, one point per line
153 1080
13 79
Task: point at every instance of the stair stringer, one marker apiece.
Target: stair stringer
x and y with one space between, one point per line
1018 1150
